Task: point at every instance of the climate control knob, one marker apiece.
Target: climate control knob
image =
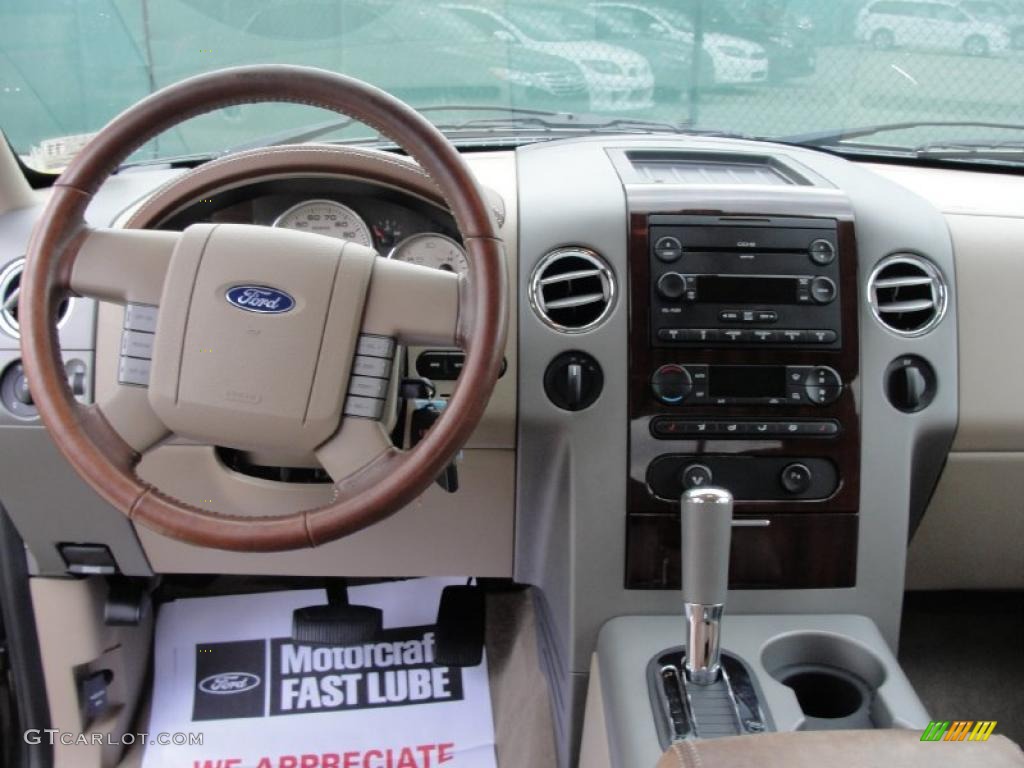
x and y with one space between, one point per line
672 286
823 385
671 384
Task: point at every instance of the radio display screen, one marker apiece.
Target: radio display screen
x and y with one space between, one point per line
725 289
747 381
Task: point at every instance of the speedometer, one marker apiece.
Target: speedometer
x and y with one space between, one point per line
326 217
432 250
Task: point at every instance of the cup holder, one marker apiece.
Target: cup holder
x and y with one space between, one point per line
833 677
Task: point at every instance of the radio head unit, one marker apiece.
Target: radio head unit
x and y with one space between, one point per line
755 282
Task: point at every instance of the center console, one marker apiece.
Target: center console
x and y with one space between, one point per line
743 352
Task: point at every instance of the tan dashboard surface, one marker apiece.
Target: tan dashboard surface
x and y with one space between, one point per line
970 536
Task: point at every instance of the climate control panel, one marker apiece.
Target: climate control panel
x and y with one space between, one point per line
698 384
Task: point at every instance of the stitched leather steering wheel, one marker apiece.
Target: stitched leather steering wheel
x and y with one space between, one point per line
230 298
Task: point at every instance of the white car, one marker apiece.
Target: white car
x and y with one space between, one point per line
929 25
618 79
732 60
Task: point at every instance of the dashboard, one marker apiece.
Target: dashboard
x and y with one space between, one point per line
397 226
814 333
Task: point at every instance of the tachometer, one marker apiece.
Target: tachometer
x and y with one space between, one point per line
432 250
326 217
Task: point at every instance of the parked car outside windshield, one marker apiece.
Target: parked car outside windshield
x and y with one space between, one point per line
938 73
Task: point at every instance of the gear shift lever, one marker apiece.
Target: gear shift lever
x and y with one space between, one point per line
706 527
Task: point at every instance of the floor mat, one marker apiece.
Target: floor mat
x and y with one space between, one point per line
964 655
226 668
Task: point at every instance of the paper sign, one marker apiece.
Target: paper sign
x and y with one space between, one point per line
226 668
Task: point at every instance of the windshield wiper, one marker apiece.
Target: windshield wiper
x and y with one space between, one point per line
827 139
1004 151
511 120
315 131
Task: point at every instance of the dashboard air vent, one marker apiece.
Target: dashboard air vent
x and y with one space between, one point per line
10 288
907 294
572 290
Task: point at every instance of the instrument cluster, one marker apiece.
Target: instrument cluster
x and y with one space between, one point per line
398 228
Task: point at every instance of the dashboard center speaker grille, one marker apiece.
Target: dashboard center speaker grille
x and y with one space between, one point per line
907 294
10 289
572 290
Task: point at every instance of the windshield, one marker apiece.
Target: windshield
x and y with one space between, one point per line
919 74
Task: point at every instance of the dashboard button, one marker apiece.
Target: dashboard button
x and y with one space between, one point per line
671 334
729 316
668 249
822 252
765 337
796 478
734 337
823 290
671 384
821 337
792 336
697 476
432 365
767 316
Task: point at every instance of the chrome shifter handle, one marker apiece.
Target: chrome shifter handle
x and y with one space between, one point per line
706 531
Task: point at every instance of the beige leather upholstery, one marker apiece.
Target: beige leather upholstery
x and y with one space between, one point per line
842 749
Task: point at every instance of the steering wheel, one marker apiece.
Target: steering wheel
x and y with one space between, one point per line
260 333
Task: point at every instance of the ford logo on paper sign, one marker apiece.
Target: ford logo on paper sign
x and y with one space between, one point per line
229 682
260 298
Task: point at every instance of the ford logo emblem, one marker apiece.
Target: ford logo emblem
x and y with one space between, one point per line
260 298
229 682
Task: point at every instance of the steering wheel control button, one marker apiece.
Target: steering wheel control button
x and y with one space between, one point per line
668 249
371 366
822 386
573 381
133 371
363 407
822 252
375 346
137 344
697 476
823 290
368 386
370 379
671 384
796 479
140 317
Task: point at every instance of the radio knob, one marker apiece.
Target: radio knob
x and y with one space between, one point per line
672 286
822 252
671 384
823 385
823 290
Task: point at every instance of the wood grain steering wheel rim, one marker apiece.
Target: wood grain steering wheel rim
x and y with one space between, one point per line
97 451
